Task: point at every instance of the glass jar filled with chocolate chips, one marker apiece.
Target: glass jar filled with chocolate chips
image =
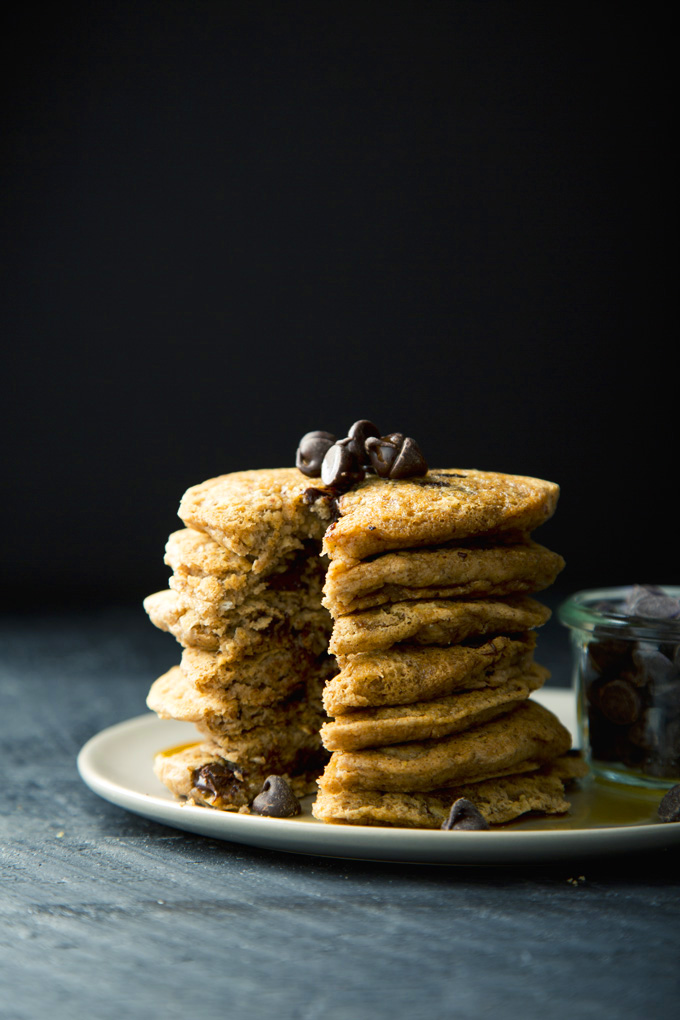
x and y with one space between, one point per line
626 645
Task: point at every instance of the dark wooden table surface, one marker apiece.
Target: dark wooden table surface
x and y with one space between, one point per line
104 914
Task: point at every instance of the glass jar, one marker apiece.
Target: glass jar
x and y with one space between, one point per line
626 655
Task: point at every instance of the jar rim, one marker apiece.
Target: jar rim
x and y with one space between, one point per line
584 611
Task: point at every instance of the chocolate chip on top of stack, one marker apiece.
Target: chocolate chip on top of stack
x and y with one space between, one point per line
419 647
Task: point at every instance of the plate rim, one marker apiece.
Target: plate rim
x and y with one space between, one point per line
366 842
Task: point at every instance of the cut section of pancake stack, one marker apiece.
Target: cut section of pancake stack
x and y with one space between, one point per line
248 614
427 605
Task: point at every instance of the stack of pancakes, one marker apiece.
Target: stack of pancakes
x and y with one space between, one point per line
426 609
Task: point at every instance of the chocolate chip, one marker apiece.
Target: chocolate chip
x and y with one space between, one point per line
358 434
609 655
320 434
464 815
329 497
311 451
642 733
667 696
620 702
382 454
669 808
217 778
276 799
340 467
651 602
658 607
341 462
593 687
396 456
654 666
410 461
657 734
637 592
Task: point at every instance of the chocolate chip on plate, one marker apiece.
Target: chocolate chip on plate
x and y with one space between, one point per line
311 451
217 778
276 799
669 808
464 815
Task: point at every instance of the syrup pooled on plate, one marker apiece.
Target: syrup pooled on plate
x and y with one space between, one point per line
596 804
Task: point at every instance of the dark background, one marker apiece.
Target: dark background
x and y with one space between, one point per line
228 223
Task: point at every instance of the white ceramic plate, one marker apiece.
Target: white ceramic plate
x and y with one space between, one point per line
117 764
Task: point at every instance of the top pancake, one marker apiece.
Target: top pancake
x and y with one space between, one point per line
442 506
262 514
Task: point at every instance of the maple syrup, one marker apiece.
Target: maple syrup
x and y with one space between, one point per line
599 804
167 752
